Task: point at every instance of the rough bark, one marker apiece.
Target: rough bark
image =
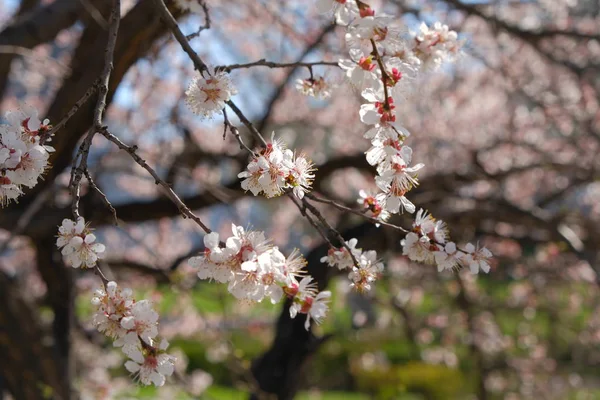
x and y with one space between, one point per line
28 368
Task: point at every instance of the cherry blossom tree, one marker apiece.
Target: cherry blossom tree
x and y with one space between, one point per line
418 173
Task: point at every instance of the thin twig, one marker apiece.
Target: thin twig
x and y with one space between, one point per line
271 64
105 200
55 128
235 132
353 211
82 154
302 209
199 65
207 21
246 122
331 229
171 23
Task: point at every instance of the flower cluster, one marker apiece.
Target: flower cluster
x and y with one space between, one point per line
429 242
208 93
314 87
78 244
133 325
366 271
254 269
23 159
382 64
274 169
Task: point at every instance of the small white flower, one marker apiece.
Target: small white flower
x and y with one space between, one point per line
477 258
376 205
368 271
112 305
141 323
361 71
418 248
150 364
22 159
314 87
68 230
448 258
82 251
340 257
315 307
277 169
8 191
300 175
435 45
207 94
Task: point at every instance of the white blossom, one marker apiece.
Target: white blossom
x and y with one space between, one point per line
340 257
82 251
477 258
150 364
306 302
275 169
112 305
448 258
368 271
434 45
141 323
207 93
375 204
418 248
23 159
314 87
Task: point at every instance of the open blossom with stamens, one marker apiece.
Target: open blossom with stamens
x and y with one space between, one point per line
339 257
78 244
23 159
419 248
448 258
424 223
375 204
368 271
361 71
151 364
275 169
112 305
252 267
314 87
308 301
300 173
477 258
396 182
68 230
380 29
254 270
206 95
433 45
141 323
